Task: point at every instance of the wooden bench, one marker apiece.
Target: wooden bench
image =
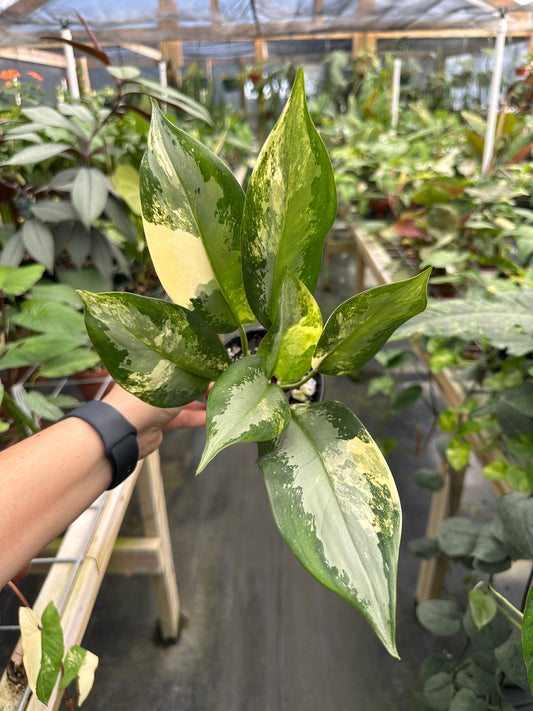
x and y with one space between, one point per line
76 564
373 257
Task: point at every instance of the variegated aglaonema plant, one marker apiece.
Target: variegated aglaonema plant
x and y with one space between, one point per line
227 259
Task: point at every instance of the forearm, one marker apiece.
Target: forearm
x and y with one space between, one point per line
46 481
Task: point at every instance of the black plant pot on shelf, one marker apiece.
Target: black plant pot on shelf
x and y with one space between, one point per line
311 391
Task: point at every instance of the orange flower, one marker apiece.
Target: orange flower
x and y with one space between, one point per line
34 75
9 74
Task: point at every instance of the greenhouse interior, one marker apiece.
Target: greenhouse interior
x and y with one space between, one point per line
266 355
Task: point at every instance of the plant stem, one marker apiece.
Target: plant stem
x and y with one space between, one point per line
11 585
298 383
244 341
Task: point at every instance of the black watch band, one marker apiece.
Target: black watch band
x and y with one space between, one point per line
116 432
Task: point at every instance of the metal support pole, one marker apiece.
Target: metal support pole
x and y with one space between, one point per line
72 77
396 75
494 96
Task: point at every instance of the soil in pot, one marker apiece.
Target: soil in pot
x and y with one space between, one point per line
311 391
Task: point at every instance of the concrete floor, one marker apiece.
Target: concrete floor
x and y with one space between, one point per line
258 632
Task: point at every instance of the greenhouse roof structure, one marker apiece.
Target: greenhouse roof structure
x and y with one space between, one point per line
25 22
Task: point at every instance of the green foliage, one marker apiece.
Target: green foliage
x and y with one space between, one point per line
44 656
227 259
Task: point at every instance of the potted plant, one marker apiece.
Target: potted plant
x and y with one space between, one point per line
42 336
227 259
68 176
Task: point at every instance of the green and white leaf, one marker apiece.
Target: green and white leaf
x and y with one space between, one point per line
505 321
159 351
79 663
290 205
336 505
192 207
289 344
361 326
243 406
89 194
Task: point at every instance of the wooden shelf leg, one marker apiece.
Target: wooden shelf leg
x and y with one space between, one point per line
444 503
155 522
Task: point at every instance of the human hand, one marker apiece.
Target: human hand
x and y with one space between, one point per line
150 421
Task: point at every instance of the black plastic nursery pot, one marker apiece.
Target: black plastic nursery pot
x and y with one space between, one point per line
311 391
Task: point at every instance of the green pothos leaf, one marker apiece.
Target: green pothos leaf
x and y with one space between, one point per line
290 205
527 637
192 207
289 345
336 505
361 326
52 649
160 352
243 407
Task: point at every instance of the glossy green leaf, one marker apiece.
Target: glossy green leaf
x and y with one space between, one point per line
89 194
75 361
39 242
440 617
336 505
483 606
359 327
527 637
192 207
458 535
243 407
36 154
297 324
125 180
37 349
52 649
159 351
15 281
458 453
49 317
290 205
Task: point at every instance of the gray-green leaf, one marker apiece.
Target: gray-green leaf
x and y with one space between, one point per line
89 194
359 327
159 351
290 205
243 407
336 505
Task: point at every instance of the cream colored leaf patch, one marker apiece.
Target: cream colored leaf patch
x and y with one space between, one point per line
31 644
86 676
